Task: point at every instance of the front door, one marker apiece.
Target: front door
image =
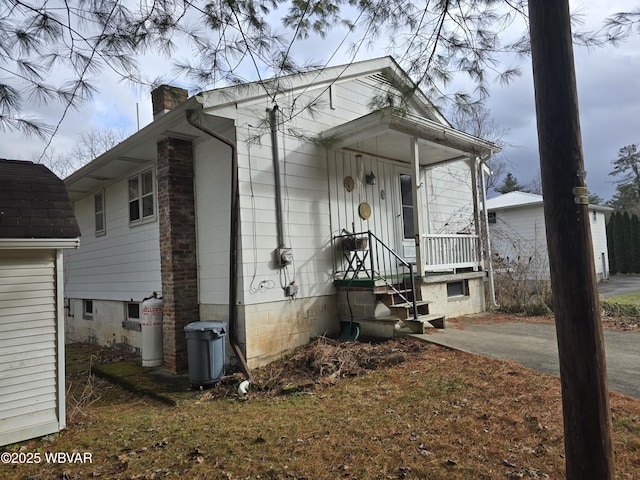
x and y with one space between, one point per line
406 230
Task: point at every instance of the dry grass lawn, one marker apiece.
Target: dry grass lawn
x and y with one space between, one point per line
398 409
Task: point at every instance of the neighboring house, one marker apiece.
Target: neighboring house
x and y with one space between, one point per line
310 160
518 233
36 224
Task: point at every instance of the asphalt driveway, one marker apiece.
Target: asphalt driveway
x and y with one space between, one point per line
619 285
534 346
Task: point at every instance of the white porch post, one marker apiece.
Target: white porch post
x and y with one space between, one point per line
473 166
417 205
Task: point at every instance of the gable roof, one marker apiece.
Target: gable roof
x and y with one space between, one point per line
383 72
34 203
521 199
140 147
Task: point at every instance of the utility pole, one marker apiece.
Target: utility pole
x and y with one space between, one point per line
585 396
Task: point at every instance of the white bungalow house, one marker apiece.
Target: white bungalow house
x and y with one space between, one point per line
251 204
518 233
36 224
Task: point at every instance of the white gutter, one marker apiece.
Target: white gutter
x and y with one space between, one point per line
38 243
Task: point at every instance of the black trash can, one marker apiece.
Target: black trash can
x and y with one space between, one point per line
205 352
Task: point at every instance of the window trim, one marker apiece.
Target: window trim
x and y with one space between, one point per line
103 230
139 177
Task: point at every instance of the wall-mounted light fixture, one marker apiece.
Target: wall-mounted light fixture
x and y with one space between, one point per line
370 178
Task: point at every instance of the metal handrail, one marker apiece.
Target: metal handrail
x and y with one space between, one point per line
379 264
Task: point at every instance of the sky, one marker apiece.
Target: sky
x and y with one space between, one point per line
608 79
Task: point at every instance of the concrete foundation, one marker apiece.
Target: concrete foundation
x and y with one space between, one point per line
107 326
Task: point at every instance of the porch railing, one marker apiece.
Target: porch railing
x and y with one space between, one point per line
450 251
365 256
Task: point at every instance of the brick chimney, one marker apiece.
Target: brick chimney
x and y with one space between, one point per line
167 97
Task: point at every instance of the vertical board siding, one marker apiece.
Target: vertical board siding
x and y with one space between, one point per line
122 264
28 363
382 197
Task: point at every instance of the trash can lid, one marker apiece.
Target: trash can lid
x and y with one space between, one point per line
217 326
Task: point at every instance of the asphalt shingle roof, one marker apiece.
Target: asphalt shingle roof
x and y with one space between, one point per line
34 203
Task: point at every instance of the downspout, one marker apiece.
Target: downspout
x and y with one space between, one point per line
492 287
233 245
273 124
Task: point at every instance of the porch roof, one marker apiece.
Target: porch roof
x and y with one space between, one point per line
386 134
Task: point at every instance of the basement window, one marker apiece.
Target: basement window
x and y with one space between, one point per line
133 311
87 309
132 317
458 289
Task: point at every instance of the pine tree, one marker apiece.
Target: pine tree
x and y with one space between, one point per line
624 258
510 184
627 168
634 244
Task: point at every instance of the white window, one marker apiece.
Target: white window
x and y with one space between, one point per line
595 216
99 213
141 197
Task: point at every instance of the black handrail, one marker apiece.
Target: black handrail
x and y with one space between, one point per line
382 261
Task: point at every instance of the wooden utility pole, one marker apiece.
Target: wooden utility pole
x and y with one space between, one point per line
585 396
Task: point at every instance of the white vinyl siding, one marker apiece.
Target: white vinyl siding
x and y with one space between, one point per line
306 179
29 393
519 235
121 265
599 237
450 198
305 197
521 232
212 168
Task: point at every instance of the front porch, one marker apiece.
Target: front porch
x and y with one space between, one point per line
414 189
381 292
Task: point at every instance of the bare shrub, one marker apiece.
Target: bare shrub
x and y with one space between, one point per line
521 270
520 286
79 397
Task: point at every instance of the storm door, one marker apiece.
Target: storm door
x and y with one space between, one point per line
405 216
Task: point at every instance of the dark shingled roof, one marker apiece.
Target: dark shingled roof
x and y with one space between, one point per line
34 203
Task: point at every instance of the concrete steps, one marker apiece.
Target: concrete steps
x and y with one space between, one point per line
384 312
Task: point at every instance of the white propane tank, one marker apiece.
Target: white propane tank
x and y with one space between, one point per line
151 330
